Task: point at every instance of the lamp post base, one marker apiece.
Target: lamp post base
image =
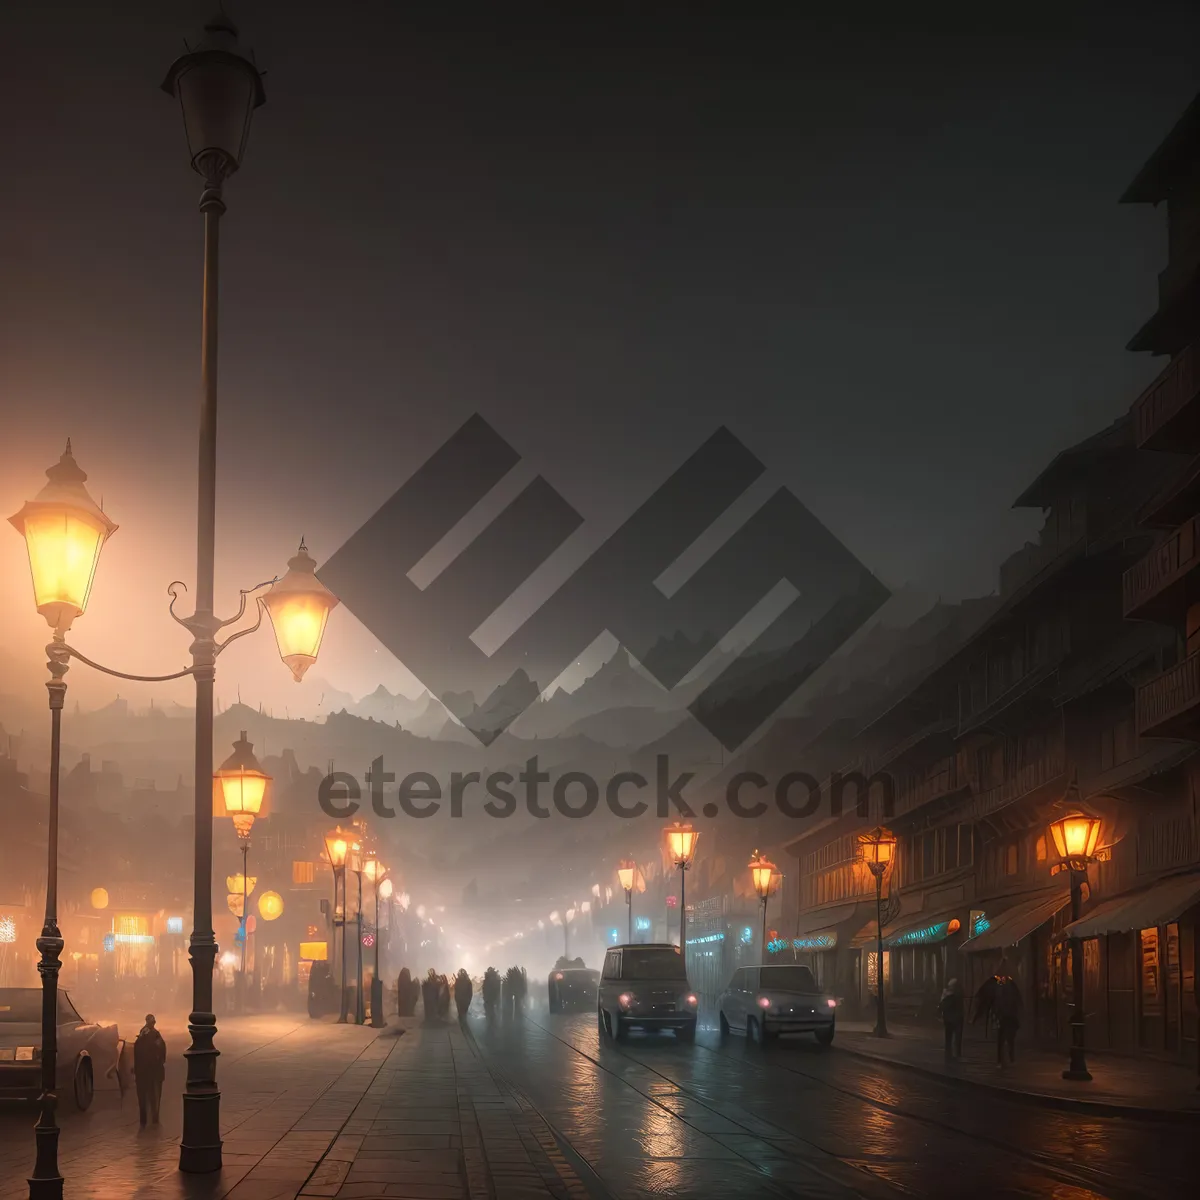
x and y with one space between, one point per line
377 1019
1077 1068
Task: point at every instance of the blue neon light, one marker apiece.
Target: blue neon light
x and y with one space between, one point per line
927 933
747 935
642 923
982 925
819 941
614 936
706 938
110 942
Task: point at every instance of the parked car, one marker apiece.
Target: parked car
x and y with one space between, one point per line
763 1002
86 1050
646 987
572 989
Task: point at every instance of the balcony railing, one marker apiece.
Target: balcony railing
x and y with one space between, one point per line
1169 705
1156 408
915 792
1145 583
1020 784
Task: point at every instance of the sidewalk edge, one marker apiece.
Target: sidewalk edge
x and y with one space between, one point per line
1097 1108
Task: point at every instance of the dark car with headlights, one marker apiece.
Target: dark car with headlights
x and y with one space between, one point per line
572 989
87 1051
646 987
764 1002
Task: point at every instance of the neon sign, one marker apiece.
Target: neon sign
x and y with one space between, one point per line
819 941
747 935
927 933
708 937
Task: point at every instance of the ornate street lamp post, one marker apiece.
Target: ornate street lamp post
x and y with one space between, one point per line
626 874
1075 836
243 784
337 846
875 849
763 873
354 862
64 531
681 844
376 874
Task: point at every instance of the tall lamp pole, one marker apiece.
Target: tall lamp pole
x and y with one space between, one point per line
681 843
627 875
763 873
875 849
376 872
1075 836
356 865
337 847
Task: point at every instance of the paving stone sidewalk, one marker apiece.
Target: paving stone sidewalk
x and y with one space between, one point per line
1120 1085
333 1112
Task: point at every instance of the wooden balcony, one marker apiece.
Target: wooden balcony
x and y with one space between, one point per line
1045 772
1166 415
1153 589
1169 706
942 780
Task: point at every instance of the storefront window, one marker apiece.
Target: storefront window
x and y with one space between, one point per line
1151 982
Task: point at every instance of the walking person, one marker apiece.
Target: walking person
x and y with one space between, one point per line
952 1010
463 988
149 1070
1007 1007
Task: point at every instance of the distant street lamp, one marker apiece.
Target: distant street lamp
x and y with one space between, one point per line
337 846
626 873
681 843
763 873
243 784
875 849
376 874
354 862
1075 836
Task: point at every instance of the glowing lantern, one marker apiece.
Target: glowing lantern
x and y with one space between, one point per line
235 902
314 951
954 926
385 889
626 873
99 898
681 843
64 531
299 604
270 906
243 785
876 849
762 871
1075 837
241 884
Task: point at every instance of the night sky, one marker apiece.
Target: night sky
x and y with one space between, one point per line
885 250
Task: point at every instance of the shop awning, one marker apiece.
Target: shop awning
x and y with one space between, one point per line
1018 922
1163 902
920 929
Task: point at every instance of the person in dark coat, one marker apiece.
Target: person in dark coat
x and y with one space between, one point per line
1007 1008
443 996
463 988
149 1069
952 1010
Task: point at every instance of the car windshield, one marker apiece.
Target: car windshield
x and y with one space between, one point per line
20 1006
664 963
789 979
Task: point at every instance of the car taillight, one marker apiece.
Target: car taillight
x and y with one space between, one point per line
831 1002
764 1002
625 999
558 975
692 1001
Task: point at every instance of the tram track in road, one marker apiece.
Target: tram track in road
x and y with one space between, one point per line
1090 1179
1087 1176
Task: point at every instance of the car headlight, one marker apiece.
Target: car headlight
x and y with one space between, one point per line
626 999
28 1053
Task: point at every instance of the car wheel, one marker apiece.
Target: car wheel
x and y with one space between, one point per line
687 1033
621 1031
83 1086
724 1029
754 1032
825 1036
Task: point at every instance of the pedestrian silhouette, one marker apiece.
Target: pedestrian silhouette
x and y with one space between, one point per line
149 1070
